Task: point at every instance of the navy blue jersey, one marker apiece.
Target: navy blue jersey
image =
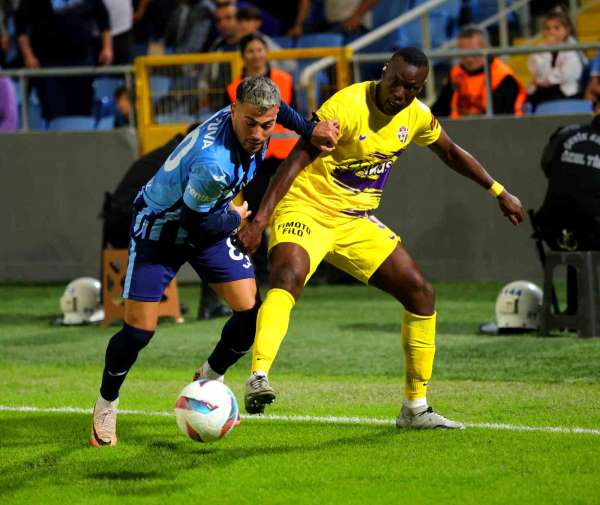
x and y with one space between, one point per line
205 172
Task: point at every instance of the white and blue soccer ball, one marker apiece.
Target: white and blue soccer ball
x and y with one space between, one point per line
206 410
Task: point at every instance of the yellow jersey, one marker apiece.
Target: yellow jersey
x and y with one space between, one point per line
351 178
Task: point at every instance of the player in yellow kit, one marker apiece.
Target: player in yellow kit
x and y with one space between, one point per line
322 209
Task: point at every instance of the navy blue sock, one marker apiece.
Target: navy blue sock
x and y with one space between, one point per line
121 353
237 338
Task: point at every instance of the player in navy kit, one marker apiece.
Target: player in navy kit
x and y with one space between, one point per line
184 214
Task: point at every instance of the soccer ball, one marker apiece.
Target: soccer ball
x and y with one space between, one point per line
206 410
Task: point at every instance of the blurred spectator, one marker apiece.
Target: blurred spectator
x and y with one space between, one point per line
291 14
142 28
60 33
351 17
556 74
465 92
255 56
592 91
120 15
9 121
249 22
218 76
190 28
123 107
228 28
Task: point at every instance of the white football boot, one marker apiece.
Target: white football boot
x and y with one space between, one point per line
104 423
426 419
258 393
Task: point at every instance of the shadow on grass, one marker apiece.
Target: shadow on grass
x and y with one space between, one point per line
52 448
446 328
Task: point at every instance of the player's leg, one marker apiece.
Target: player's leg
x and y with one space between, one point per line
150 268
371 252
400 276
237 335
298 244
231 274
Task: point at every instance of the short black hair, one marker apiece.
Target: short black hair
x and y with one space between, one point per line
246 39
470 31
412 56
121 91
248 13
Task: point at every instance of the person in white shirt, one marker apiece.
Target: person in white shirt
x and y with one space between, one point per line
556 74
120 14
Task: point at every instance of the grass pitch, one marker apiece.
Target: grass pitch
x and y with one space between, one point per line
341 358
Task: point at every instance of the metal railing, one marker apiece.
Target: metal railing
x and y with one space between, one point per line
25 74
446 54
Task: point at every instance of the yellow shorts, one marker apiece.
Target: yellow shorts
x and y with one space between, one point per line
356 245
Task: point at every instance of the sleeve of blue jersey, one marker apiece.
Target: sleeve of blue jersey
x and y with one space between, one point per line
292 120
207 181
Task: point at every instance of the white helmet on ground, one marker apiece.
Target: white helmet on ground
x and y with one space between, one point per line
80 303
518 306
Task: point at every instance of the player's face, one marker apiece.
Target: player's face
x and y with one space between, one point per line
400 84
251 127
472 63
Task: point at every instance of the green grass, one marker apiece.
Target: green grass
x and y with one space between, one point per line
341 358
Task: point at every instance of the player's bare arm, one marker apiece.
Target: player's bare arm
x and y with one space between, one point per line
464 163
302 155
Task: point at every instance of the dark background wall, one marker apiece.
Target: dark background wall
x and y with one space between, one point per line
52 186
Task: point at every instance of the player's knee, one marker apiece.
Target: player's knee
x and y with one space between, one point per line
421 297
289 278
136 337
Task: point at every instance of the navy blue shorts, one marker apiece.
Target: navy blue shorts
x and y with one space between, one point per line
152 265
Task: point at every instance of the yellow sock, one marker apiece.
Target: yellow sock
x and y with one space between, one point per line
271 326
418 341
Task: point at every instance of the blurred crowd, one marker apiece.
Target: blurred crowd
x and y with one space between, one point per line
67 33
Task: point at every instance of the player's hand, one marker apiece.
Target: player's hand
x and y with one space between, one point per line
249 237
242 210
325 135
511 207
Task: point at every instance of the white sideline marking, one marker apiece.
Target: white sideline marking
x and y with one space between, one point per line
315 419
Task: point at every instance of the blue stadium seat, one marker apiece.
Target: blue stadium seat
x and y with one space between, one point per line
36 121
72 123
285 42
140 49
569 106
106 86
159 86
106 123
320 40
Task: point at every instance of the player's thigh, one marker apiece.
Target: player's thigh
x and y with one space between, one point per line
150 268
143 315
239 295
298 243
362 244
228 271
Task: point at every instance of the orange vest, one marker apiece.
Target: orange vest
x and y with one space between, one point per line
469 97
282 140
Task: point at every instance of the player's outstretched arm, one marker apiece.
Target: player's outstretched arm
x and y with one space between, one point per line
323 135
462 162
248 238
